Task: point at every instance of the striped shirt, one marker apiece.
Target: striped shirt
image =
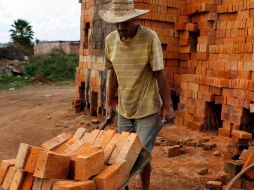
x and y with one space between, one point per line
134 62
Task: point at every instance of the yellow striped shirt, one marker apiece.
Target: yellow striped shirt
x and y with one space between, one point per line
134 62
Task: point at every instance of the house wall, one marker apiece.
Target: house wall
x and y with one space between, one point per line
47 47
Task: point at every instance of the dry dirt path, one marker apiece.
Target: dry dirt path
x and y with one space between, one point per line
33 115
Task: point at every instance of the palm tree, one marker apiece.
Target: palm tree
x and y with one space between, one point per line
21 33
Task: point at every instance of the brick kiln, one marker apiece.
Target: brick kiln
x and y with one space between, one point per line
208 54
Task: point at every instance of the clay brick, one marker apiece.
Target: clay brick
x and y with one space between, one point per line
37 184
4 166
245 155
74 147
28 182
23 153
8 178
233 167
52 165
249 161
63 147
32 159
56 141
82 150
214 185
104 139
241 134
48 184
17 180
172 151
119 145
74 185
113 177
79 133
130 151
91 137
89 164
110 147
240 141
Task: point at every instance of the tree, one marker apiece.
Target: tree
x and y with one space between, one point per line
21 33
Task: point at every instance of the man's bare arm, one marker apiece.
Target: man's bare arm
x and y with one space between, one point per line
112 88
167 111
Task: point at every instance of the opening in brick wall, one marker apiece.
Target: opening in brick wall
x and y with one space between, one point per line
193 40
94 103
247 121
86 32
175 99
82 95
212 117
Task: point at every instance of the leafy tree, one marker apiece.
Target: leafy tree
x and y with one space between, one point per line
21 33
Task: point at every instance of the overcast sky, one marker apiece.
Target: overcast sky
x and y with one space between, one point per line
50 19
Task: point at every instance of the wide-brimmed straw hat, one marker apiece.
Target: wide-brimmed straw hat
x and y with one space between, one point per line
121 11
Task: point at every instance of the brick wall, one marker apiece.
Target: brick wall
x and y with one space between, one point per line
208 55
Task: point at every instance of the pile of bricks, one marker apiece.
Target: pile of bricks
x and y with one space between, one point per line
208 55
85 161
217 86
196 28
238 157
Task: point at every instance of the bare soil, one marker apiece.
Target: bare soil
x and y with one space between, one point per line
35 114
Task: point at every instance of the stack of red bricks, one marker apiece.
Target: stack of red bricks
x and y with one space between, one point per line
162 18
90 75
85 161
219 71
239 156
196 27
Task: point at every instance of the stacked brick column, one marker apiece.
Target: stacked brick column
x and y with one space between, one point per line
196 27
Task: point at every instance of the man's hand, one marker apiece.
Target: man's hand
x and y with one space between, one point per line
167 110
167 113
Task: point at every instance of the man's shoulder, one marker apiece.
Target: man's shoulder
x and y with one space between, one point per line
148 31
111 36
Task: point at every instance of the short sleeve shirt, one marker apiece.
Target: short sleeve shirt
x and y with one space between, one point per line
134 63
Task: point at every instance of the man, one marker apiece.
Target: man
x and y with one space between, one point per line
135 62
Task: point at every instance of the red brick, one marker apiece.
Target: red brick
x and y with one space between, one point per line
89 164
113 177
74 185
4 166
52 165
56 141
28 182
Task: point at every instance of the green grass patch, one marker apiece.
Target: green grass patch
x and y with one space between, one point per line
56 66
8 81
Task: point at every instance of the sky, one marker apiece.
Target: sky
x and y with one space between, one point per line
50 19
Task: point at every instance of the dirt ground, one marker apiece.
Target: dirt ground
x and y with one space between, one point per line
35 114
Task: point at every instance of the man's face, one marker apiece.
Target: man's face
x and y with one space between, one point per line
125 29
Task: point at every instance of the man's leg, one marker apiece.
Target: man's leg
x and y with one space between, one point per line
125 125
144 127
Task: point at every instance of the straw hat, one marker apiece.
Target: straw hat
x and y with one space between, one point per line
121 11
